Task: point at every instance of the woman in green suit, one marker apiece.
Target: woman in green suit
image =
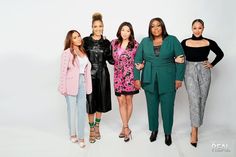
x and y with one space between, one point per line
161 75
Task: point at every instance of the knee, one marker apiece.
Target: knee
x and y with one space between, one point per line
129 101
129 104
122 104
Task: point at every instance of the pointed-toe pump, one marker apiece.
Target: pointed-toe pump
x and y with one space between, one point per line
194 144
153 136
168 140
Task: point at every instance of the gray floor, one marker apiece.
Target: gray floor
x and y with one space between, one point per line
33 142
40 130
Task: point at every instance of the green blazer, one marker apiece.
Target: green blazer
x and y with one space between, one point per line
162 69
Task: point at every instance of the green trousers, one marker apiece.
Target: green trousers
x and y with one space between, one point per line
167 109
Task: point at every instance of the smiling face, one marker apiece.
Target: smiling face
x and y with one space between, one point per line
125 33
197 29
76 39
97 28
156 28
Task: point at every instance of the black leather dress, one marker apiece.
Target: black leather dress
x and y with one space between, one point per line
99 51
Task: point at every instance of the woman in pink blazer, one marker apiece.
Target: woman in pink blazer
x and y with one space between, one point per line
75 83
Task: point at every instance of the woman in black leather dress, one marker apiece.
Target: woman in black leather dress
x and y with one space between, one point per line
98 50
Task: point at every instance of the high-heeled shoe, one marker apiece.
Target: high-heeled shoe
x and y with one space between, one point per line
168 140
92 138
97 132
128 137
82 143
194 144
73 139
122 134
153 136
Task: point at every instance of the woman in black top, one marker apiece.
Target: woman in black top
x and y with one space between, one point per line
98 50
198 74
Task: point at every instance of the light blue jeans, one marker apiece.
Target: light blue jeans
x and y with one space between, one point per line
76 108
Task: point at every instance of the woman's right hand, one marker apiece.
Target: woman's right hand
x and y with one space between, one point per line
139 66
137 84
64 93
207 64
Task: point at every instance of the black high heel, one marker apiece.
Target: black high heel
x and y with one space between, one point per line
168 140
194 144
129 136
153 136
122 134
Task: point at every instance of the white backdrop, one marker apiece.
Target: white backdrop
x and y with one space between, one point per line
32 35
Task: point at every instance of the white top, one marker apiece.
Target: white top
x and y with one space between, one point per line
83 61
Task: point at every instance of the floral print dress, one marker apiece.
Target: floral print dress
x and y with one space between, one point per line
124 68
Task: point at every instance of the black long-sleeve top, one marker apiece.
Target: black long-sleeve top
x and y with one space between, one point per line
198 54
98 51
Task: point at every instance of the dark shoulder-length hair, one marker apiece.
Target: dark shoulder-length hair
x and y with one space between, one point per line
131 37
163 27
68 44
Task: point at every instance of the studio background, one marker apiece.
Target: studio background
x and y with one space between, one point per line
32 37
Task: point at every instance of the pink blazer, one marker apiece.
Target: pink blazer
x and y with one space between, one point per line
69 75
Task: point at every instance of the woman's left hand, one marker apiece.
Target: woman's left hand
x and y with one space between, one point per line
178 84
207 65
179 59
137 84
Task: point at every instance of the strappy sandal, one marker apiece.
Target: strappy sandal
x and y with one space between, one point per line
128 137
122 134
92 138
97 132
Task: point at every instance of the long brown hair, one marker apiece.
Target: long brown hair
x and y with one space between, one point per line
131 37
68 44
